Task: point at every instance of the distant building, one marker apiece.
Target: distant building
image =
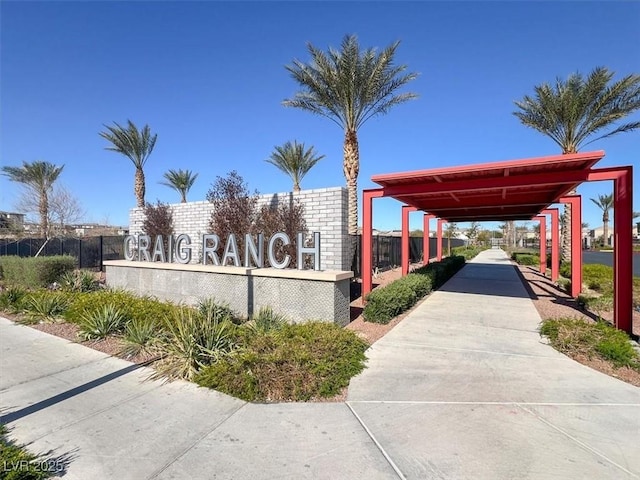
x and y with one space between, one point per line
11 223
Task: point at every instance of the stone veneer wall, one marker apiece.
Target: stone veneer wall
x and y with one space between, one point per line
326 211
300 295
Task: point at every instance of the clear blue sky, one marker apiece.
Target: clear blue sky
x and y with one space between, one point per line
209 79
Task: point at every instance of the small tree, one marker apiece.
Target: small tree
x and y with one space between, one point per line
451 231
287 217
473 232
158 220
234 208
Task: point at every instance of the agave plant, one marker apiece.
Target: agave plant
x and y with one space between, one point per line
266 321
141 337
98 324
193 341
44 306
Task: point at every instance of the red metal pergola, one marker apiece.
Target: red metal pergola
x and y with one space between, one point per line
511 190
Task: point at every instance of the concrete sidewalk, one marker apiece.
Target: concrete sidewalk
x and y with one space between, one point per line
462 388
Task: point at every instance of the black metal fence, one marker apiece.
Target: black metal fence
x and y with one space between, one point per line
387 251
90 252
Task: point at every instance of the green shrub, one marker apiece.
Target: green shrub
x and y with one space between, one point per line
192 342
16 463
35 272
526 259
598 277
44 305
565 269
467 252
131 306
297 363
384 303
97 324
79 281
440 272
576 337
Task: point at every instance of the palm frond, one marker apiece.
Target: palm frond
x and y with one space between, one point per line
180 180
574 110
295 160
349 86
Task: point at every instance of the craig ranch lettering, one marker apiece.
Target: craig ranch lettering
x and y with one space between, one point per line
178 250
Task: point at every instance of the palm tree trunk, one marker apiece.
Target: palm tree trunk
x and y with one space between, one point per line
43 208
605 227
296 187
351 168
139 187
183 194
566 231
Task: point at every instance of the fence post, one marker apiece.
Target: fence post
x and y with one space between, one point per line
101 250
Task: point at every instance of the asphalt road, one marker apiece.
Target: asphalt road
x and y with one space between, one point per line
606 258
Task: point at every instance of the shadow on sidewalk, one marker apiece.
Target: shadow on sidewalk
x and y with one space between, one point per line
41 405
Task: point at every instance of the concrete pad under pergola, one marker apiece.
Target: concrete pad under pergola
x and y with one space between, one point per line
522 189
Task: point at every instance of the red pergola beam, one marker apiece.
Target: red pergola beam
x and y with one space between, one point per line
570 179
622 244
367 238
543 242
576 242
426 248
439 239
404 256
555 242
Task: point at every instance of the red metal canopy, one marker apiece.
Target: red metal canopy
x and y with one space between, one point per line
512 190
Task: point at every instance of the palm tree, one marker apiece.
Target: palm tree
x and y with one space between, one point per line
181 181
605 203
349 87
294 160
137 146
573 111
39 178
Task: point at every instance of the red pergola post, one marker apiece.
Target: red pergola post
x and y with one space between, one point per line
622 244
426 249
555 242
576 242
439 235
404 256
543 242
367 238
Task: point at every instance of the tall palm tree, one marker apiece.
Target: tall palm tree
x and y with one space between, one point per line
181 181
573 111
349 87
294 160
605 203
135 144
39 178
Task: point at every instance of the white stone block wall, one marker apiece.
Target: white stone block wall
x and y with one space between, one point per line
326 211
